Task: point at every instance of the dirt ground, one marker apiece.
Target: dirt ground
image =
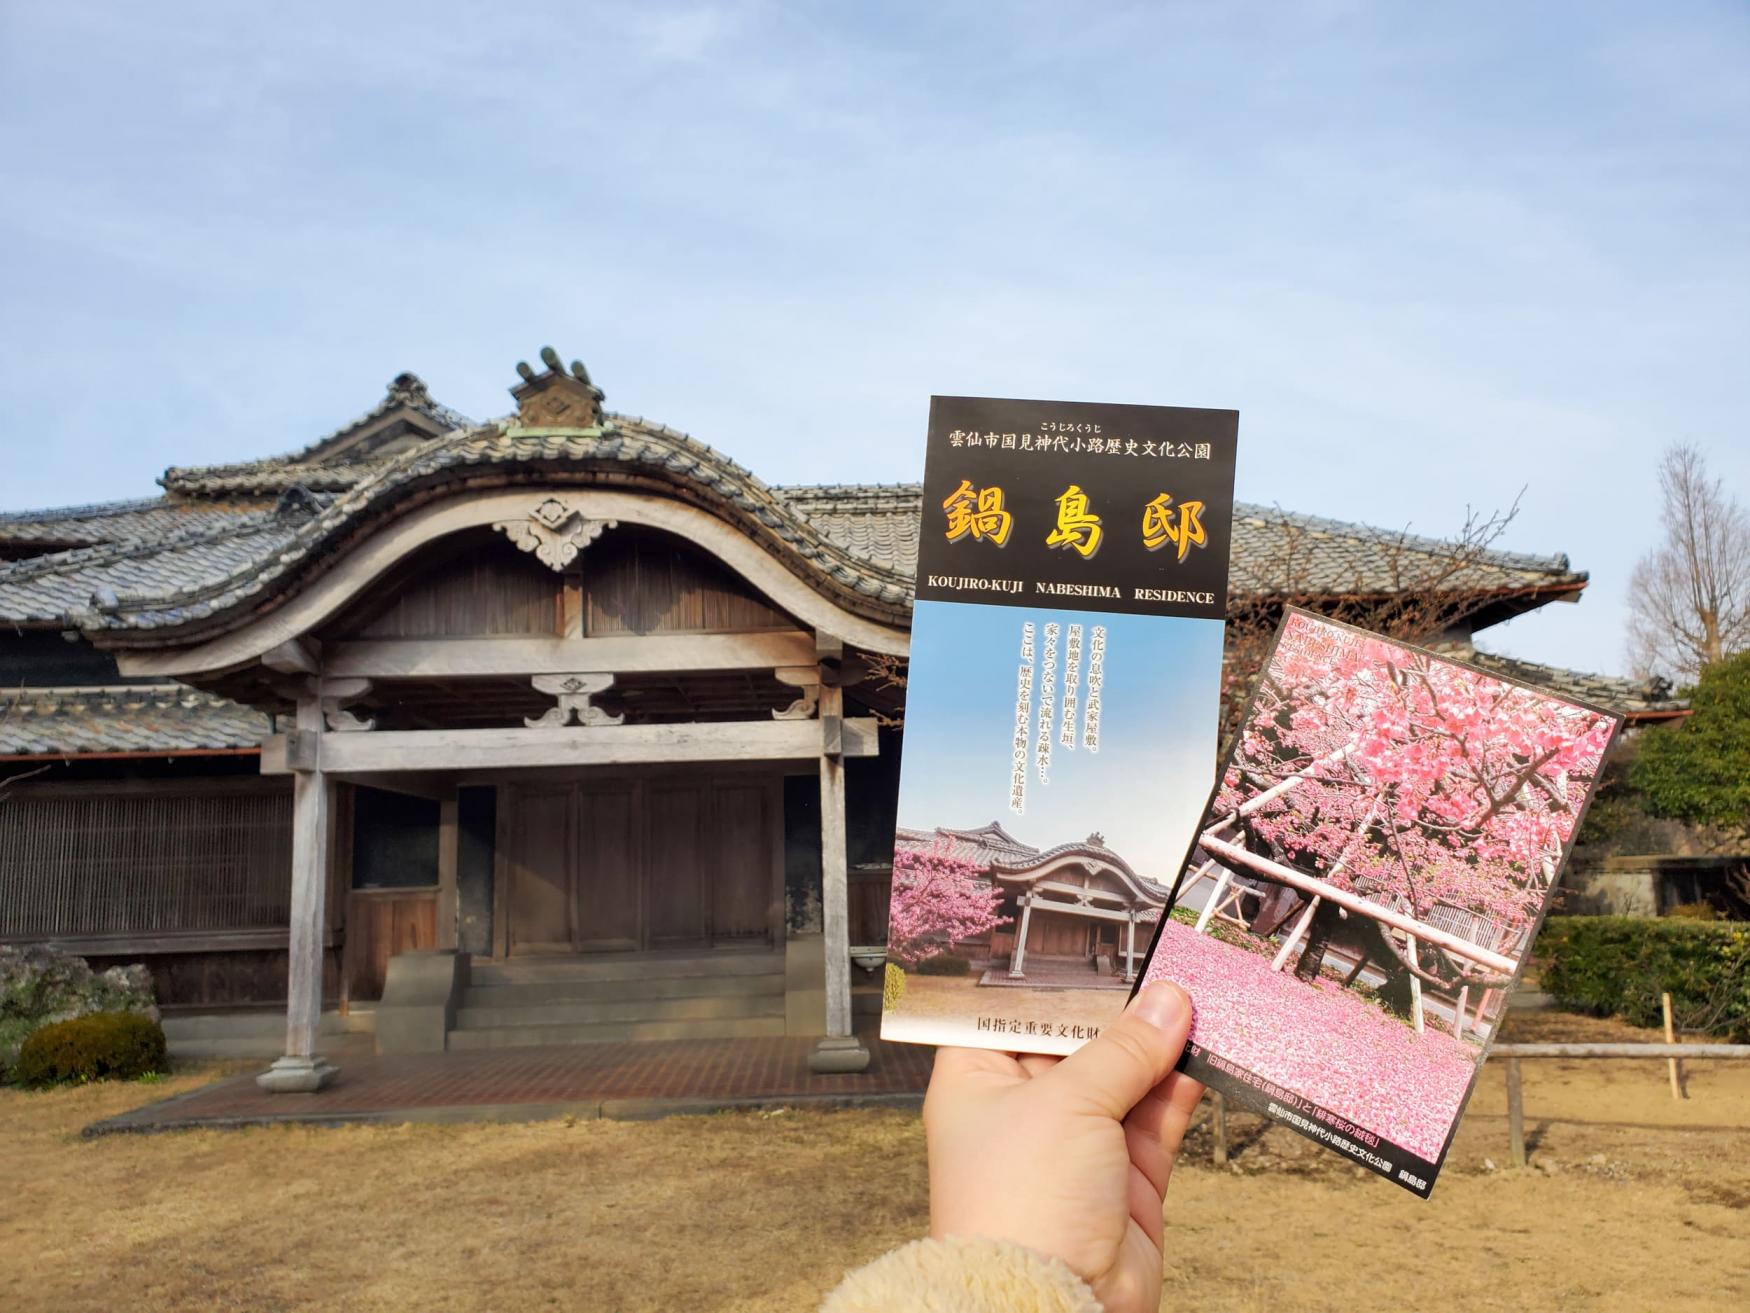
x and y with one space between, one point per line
1633 1202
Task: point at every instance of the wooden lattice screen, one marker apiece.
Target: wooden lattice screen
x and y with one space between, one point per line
128 864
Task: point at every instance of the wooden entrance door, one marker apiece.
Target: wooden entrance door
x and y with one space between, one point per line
684 862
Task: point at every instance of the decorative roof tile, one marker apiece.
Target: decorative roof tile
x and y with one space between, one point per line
130 718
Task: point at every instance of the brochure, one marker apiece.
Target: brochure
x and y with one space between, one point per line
1061 711
1366 883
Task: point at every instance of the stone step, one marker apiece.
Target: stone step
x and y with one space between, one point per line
473 1017
265 1047
541 993
616 1032
628 966
190 1027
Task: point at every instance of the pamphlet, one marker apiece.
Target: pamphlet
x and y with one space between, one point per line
1365 886
1061 711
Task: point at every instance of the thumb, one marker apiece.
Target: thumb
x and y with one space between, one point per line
1111 1074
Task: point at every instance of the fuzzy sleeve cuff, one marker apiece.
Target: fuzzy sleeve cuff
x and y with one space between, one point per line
962 1275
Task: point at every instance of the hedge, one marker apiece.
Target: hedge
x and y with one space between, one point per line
103 1045
944 964
1619 965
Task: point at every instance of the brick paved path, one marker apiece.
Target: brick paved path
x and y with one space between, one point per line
589 1080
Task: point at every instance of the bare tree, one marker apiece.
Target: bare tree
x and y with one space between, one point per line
1689 598
1415 589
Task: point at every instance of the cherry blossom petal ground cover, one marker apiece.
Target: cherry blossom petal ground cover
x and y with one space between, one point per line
1322 1041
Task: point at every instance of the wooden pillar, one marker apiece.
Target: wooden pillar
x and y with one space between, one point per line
840 1050
1515 1114
449 841
1018 957
1130 949
1218 1128
301 1069
1458 1012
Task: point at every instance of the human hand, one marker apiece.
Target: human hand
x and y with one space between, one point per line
1068 1156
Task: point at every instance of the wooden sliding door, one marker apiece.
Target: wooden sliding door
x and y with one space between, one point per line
657 863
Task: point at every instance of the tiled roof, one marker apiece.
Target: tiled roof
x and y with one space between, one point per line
128 521
318 466
1274 551
1636 699
54 588
131 718
181 582
993 847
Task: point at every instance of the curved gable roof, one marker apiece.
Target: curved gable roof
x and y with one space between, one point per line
204 582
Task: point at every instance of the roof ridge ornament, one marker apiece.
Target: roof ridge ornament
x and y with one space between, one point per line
560 397
554 531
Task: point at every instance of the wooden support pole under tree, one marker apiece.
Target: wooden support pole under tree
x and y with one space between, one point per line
1671 1038
1458 1012
1218 1128
1295 935
1416 1016
1275 791
840 1050
1311 884
1515 1114
1214 902
300 1069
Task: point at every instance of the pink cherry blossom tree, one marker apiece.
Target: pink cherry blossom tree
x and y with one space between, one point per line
1412 781
938 900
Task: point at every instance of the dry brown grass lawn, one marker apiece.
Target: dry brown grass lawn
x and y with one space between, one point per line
745 1212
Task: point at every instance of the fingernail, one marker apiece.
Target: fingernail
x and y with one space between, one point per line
1161 1003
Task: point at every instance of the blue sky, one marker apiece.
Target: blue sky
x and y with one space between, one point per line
1431 253
1157 730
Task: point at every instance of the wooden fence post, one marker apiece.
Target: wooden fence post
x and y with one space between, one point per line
1515 1114
1671 1038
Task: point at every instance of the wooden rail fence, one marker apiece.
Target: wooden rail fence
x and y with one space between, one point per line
1515 1054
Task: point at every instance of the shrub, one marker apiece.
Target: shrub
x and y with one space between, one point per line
892 986
1619 965
40 984
944 964
103 1045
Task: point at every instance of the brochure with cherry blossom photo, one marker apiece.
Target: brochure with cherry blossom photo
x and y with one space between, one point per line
1365 886
1061 708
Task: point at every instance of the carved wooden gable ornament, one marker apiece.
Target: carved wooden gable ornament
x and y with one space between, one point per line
554 531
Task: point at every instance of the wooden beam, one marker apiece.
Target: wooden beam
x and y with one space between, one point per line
295 656
1312 885
462 658
434 786
593 745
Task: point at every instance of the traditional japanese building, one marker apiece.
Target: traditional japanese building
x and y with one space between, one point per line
1076 914
566 703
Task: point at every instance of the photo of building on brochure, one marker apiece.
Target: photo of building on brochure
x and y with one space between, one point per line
1366 883
1056 764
